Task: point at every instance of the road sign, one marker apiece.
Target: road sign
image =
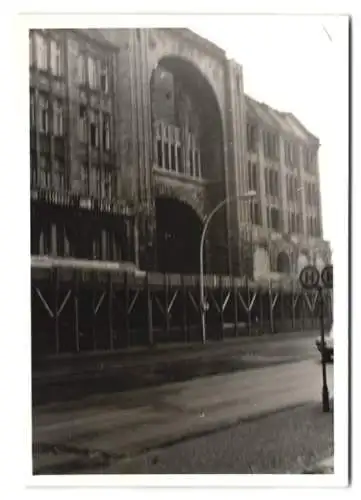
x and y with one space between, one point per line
327 276
309 277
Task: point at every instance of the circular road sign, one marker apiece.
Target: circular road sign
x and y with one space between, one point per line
309 277
327 276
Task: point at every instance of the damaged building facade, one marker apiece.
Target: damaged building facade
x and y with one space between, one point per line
137 134
151 128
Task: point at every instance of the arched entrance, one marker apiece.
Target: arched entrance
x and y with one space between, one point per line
188 141
283 263
178 237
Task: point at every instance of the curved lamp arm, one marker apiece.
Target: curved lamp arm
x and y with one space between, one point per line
207 221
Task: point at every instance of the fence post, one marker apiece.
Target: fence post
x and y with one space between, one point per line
261 314
166 303
150 311
184 310
110 310
282 311
221 316
56 316
76 309
270 307
235 306
249 321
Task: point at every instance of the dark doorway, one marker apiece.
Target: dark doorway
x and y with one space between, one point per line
283 263
178 237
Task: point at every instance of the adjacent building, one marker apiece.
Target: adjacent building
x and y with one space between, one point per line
137 134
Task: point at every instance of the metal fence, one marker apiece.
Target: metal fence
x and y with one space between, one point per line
76 310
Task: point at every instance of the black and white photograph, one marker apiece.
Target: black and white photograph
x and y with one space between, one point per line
183 243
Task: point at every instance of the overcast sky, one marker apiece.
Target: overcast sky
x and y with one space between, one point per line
296 64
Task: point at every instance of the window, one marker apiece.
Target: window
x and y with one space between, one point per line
293 222
106 132
180 162
32 109
252 176
81 69
31 49
266 173
41 52
96 184
256 216
56 60
249 140
275 222
44 114
92 73
104 79
166 156
108 184
44 172
310 158
58 118
273 183
265 145
172 158
94 129
198 163
251 137
159 153
318 227
59 174
191 163
33 173
276 184
254 138
249 175
84 179
277 146
291 154
83 129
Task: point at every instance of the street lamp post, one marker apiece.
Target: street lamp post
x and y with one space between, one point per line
207 220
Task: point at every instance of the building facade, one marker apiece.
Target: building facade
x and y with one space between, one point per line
137 134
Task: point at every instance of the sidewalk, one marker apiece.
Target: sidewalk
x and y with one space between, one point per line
95 432
63 365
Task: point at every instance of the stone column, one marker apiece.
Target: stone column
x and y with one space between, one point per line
71 74
283 180
302 190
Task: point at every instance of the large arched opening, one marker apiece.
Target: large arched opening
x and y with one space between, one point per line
187 121
188 140
178 237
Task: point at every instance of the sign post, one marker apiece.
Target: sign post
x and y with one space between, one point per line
310 280
325 394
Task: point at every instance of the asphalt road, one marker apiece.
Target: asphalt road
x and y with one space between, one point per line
290 441
130 372
110 433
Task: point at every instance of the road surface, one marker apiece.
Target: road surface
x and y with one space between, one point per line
114 433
